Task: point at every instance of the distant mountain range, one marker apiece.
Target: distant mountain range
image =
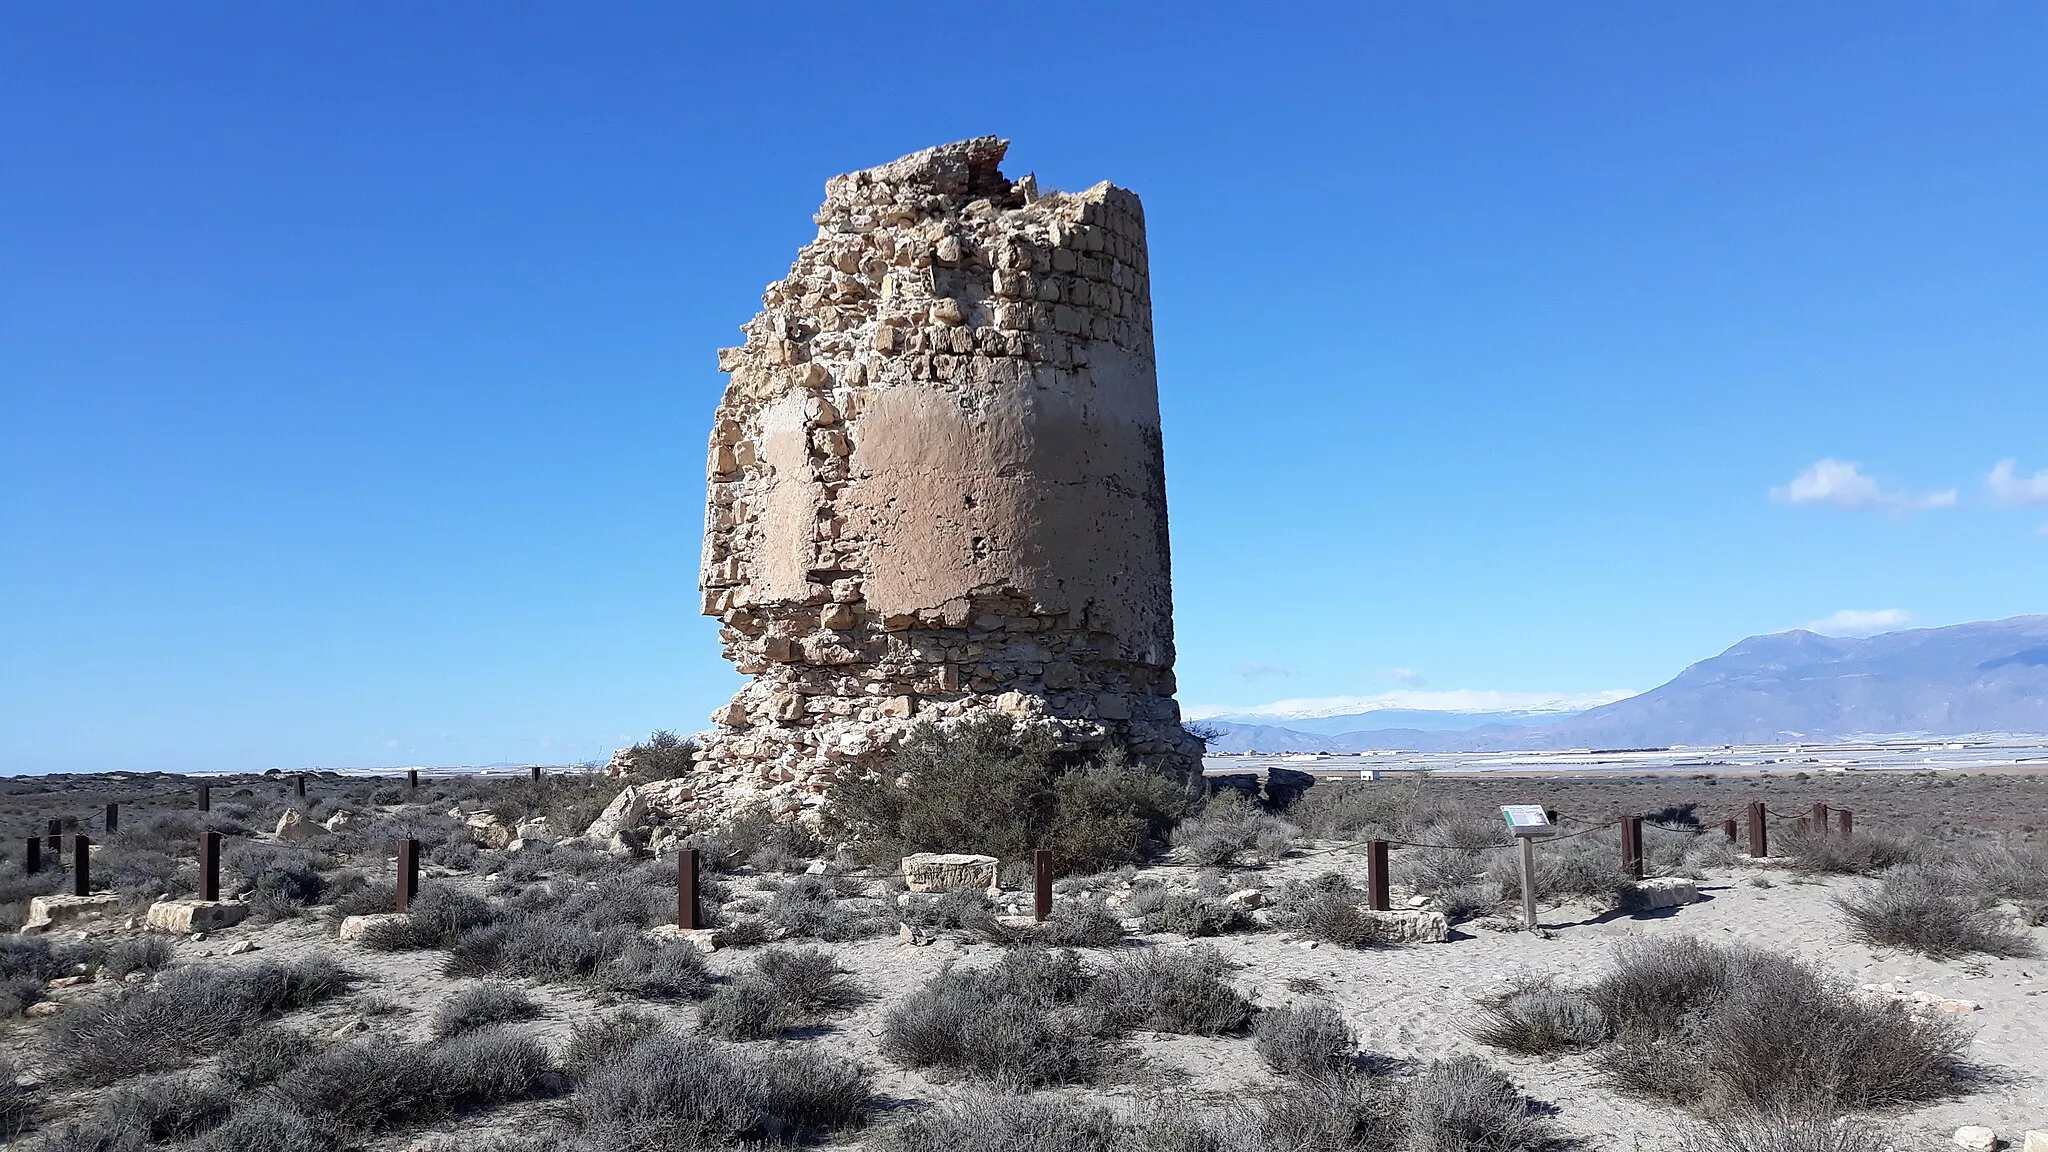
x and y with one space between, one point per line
1962 680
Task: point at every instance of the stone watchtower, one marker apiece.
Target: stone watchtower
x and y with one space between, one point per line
936 485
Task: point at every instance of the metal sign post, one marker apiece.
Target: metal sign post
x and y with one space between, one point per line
1527 822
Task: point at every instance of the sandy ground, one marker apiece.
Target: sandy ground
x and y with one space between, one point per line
1407 1003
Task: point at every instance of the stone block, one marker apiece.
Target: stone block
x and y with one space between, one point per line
2036 1141
1410 926
293 827
949 872
702 939
1662 892
355 927
1976 1138
188 916
47 912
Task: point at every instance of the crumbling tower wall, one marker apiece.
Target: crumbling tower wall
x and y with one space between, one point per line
936 484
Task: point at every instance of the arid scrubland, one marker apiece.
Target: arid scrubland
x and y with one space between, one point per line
1210 977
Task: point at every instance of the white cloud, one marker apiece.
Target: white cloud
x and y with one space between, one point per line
2012 488
1860 622
1260 669
1845 485
1407 677
1453 700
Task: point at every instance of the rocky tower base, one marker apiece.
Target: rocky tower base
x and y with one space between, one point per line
936 484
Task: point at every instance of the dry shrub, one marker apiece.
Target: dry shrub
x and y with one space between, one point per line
1934 912
1718 1027
1162 991
1537 1016
1311 1040
481 1006
1024 1022
669 1093
1343 1112
1328 908
1027 793
1047 1123
809 979
1082 923
605 1039
261 1055
819 907
1786 1128
1868 851
1185 913
1465 1104
19 1102
749 1008
1228 830
378 1083
189 1012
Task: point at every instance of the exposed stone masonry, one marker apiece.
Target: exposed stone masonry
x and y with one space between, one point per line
936 481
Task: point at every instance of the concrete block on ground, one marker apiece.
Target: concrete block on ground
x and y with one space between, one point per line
702 939
949 872
188 916
356 927
1413 926
1663 892
47 912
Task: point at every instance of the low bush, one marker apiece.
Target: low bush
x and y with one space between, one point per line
435 918
1465 1104
1328 908
1537 1016
144 874
1869 851
746 1009
261 1055
1229 829
1165 991
1932 912
1029 794
188 1013
1719 1027
152 1110
1047 1123
137 954
816 907
670 1093
1082 923
481 1006
1185 913
1786 1128
376 1083
657 970
280 882
1023 1022
810 980
19 1102
270 1126
1342 1112
607 1038
27 965
1312 1040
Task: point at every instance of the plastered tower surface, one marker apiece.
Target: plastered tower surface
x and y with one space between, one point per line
936 485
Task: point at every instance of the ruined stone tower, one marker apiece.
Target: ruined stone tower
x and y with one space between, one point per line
936 485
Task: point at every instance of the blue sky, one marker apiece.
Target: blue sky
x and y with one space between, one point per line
356 361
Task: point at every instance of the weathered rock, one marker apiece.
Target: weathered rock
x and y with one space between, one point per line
354 927
627 811
293 827
533 829
42 1008
1246 898
47 912
487 832
1662 892
339 821
1284 786
188 916
949 872
240 948
1412 926
936 484
2036 1141
1976 1138
702 939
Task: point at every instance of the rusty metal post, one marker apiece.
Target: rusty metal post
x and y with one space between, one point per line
1820 820
1759 838
81 865
1845 822
1378 897
1041 884
206 797
299 785
408 872
687 862
209 866
1632 846
1728 828
412 782
32 861
113 818
536 773
55 834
